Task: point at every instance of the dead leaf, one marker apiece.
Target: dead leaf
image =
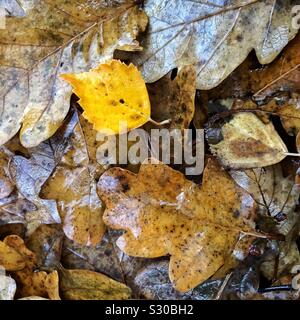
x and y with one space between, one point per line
246 142
89 285
79 205
275 195
249 79
46 244
174 99
214 36
29 282
188 222
154 284
14 208
8 287
111 93
53 38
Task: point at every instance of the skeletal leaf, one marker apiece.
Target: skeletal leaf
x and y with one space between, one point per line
197 227
111 93
49 39
89 285
246 142
215 36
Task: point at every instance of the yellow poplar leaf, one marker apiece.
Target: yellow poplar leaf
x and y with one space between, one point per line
165 214
112 93
90 285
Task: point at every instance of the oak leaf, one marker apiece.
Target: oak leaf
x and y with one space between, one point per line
163 213
111 93
54 37
215 36
29 282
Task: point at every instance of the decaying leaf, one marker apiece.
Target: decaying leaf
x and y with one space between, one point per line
79 205
101 258
89 285
50 39
249 79
215 36
30 175
246 142
46 244
8 287
29 282
275 195
111 93
174 99
197 227
154 284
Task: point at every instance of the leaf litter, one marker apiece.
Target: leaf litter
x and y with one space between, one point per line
74 228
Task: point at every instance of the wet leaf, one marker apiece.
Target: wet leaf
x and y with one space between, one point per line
174 99
79 205
275 195
154 284
249 143
50 39
46 243
214 36
188 222
282 75
89 285
29 282
101 258
8 287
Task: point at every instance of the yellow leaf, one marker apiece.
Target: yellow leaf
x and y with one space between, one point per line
90 285
29 282
110 94
165 214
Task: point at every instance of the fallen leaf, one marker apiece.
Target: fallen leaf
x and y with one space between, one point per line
214 36
79 205
246 142
251 79
6 185
14 208
174 99
53 38
29 282
101 258
111 93
89 285
160 206
46 243
8 287
154 284
275 195
29 176
11 259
